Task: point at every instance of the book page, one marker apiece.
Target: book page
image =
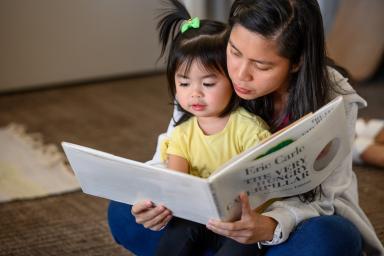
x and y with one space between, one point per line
318 148
123 180
292 132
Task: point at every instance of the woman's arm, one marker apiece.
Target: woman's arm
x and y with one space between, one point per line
340 184
288 213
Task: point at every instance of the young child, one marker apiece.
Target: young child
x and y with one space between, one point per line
212 129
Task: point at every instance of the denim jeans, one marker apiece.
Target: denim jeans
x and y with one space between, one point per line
324 235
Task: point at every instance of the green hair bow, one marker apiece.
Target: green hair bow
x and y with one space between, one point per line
191 23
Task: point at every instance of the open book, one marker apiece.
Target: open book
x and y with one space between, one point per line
318 144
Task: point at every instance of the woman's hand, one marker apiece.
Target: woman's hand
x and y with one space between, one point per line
151 216
251 228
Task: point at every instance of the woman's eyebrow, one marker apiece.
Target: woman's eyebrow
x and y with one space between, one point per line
233 46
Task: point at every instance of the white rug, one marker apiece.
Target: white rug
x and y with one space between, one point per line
29 169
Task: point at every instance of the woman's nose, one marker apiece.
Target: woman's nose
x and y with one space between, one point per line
243 72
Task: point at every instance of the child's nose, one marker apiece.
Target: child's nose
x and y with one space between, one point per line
197 93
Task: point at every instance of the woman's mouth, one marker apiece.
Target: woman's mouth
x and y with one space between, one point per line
241 90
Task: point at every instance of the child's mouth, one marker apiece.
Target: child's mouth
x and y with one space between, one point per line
198 107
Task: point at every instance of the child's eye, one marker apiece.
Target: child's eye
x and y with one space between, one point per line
183 84
208 84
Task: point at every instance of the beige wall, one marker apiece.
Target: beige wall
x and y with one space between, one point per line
45 42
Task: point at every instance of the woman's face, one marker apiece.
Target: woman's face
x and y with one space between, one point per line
254 65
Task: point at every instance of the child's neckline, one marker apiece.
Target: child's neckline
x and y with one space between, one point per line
215 131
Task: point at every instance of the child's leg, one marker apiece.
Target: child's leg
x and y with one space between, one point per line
182 237
231 247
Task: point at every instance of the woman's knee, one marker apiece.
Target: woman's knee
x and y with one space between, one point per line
323 235
128 233
119 219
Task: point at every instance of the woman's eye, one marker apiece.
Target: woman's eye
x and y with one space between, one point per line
235 53
262 68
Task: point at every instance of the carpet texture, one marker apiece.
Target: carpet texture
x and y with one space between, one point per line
69 224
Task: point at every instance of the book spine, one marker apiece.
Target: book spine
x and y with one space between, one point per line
215 200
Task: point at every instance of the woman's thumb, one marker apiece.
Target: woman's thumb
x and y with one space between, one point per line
245 207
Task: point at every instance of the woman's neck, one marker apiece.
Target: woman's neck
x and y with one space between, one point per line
212 125
280 100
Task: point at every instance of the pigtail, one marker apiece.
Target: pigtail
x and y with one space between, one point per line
169 22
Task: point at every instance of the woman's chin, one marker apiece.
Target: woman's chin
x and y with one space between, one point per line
246 96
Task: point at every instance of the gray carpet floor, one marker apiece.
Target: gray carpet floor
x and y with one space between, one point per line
122 117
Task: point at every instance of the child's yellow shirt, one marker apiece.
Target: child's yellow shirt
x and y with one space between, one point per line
205 153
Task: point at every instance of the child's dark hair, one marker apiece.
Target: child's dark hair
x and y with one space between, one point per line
207 44
297 28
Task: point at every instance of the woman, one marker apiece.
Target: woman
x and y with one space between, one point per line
277 63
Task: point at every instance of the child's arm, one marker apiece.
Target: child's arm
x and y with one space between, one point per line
177 163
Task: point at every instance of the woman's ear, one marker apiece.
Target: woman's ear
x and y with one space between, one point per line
296 67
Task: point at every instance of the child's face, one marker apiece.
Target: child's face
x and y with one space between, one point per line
202 93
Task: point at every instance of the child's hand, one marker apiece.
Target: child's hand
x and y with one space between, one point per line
151 216
251 228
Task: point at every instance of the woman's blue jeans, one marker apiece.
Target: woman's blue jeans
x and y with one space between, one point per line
324 235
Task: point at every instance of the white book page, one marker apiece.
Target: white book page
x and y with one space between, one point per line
123 180
294 133
289 171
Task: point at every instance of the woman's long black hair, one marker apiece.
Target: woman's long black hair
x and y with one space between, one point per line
207 44
297 28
